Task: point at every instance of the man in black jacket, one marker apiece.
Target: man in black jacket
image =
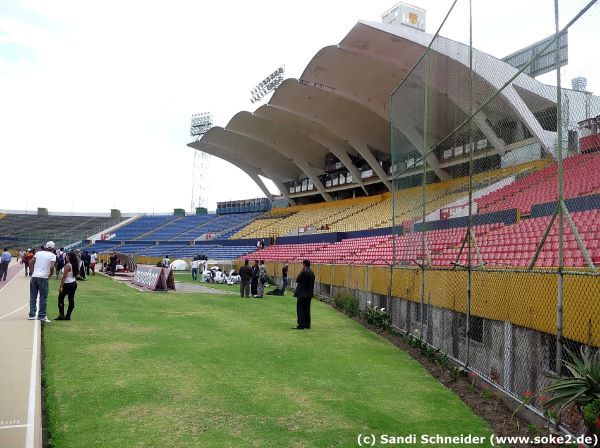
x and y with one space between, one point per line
245 275
305 285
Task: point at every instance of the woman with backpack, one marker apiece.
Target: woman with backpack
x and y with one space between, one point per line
60 261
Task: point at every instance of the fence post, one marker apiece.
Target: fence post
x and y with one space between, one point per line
559 124
470 233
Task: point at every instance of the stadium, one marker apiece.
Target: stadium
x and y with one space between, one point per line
449 204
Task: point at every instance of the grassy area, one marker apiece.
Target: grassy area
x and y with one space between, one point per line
198 370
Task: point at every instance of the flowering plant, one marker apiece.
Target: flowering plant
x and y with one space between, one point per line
378 317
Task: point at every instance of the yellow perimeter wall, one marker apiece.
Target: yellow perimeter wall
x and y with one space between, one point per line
525 299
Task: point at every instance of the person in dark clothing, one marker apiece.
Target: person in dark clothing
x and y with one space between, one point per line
254 280
245 276
305 285
60 261
112 265
87 260
284 276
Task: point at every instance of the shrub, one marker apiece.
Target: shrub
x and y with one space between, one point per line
347 303
378 317
591 415
582 388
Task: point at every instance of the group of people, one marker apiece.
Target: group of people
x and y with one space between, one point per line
198 265
110 267
254 278
41 265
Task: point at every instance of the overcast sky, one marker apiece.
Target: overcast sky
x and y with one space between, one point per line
96 97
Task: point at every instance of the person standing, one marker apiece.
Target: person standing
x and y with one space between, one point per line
26 259
81 274
60 261
93 261
254 278
245 276
112 264
195 264
305 285
262 277
4 262
20 255
68 286
41 269
166 262
87 261
284 277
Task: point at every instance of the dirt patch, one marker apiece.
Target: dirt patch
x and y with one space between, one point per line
189 288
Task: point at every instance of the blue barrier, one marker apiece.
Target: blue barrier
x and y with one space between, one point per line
373 232
503 216
331 237
590 202
334 237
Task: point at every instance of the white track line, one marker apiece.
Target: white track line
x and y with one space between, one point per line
18 309
14 426
13 312
32 388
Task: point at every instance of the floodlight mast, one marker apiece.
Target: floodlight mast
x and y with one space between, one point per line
201 123
267 85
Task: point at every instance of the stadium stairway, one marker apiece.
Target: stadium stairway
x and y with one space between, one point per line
157 229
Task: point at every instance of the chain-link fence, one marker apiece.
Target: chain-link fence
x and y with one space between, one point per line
496 183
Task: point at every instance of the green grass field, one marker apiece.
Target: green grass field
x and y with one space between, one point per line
163 370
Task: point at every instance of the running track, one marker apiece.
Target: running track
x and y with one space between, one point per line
20 403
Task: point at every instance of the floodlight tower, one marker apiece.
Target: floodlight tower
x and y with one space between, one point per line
267 85
201 123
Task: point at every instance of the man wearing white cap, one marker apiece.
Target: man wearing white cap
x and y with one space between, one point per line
41 268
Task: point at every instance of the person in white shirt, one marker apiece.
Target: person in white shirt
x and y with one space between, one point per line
93 261
166 262
68 286
195 264
41 269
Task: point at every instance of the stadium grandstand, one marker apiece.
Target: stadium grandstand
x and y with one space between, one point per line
409 211
22 230
439 182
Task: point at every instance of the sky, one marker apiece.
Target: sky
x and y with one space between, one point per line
96 97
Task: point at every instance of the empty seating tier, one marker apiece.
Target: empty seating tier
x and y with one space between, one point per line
581 177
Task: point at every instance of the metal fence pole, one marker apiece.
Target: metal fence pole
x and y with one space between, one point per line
470 216
559 124
423 189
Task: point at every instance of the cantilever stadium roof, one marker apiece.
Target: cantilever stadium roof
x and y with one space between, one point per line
341 105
